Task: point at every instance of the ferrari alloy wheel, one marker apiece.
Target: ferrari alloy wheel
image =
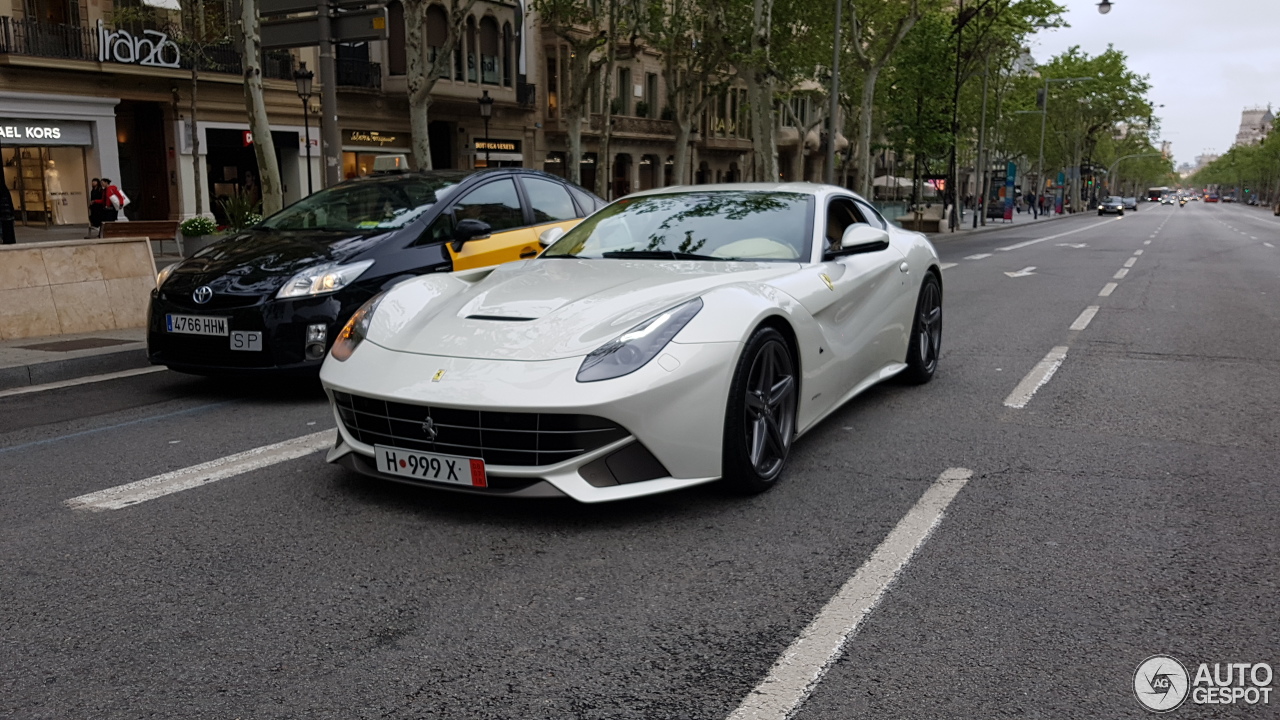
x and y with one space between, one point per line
926 333
760 423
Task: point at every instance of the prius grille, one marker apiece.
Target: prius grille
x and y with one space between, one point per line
499 438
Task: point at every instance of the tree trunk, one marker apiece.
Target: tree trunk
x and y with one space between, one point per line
863 162
764 136
604 161
683 129
418 79
259 124
574 159
195 140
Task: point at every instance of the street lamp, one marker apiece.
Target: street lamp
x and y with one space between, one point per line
302 77
486 111
1104 7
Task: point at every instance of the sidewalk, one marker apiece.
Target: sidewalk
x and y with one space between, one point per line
40 360
1023 220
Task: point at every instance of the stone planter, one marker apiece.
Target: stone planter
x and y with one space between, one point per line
192 245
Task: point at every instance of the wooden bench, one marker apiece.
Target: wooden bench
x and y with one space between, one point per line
157 231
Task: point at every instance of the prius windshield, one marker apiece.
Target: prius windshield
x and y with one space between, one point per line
373 205
710 225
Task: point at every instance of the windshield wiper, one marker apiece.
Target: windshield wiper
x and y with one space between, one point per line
658 255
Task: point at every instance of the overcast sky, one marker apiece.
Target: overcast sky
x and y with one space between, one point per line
1207 60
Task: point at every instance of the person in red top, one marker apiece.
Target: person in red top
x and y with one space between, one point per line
114 201
97 202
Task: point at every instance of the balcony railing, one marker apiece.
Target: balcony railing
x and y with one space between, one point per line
359 73
72 42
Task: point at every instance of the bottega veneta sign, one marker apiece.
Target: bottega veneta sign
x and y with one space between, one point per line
152 48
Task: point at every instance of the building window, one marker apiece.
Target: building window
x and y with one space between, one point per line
623 92
651 94
473 71
396 59
489 49
437 34
553 84
507 44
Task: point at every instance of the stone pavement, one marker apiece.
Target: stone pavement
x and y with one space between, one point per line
39 360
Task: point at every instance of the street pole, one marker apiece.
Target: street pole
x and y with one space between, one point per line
7 233
953 182
1044 115
330 135
486 141
835 100
306 128
981 161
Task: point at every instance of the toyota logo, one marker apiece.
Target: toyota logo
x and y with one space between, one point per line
429 429
202 295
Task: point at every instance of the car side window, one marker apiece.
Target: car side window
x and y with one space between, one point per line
841 213
440 231
873 216
495 203
585 201
549 200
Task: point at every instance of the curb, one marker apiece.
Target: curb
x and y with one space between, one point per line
51 371
983 230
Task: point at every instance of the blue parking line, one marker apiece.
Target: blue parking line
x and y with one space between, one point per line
117 426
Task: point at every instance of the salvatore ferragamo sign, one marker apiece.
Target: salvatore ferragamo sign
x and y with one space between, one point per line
152 48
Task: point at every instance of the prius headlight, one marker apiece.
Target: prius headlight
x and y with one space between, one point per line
356 330
321 279
637 346
165 273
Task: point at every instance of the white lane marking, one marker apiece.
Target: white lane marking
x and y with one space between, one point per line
1137 252
1029 270
1120 274
1130 262
979 256
1082 322
1039 375
122 496
947 266
1144 242
79 381
1054 237
1265 243
1076 246
1108 289
797 672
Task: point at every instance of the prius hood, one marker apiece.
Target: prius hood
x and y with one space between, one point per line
260 262
548 308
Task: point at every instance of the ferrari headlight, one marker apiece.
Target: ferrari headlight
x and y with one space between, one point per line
321 279
164 274
637 346
355 331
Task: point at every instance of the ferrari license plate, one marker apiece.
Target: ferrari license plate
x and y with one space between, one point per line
435 467
196 325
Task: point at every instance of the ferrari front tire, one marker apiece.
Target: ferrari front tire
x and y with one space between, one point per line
926 333
760 417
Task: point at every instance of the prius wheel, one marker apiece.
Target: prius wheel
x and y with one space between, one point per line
760 422
926 333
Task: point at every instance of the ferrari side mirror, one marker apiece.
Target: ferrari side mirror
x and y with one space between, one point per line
550 235
862 238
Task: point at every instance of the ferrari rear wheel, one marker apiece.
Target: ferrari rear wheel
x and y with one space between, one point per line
760 420
926 333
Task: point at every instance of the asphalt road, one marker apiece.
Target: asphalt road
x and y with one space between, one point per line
1128 508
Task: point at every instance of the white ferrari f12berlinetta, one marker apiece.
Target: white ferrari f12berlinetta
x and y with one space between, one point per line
676 337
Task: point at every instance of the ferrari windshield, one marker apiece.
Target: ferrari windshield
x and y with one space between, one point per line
366 206
708 225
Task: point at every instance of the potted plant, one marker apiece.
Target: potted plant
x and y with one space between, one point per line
198 233
642 109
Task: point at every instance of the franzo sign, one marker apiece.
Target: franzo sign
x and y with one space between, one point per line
155 48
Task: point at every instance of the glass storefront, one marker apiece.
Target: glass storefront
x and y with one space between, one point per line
47 185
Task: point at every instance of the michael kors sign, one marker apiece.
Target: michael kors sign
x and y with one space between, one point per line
152 48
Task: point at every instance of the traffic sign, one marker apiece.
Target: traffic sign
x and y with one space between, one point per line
368 24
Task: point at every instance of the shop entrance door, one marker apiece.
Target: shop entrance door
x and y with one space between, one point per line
24 174
144 167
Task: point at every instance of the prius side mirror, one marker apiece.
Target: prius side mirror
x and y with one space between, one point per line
550 235
469 229
862 238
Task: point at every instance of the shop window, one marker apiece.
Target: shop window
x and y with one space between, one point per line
396 57
490 72
495 203
554 163
549 200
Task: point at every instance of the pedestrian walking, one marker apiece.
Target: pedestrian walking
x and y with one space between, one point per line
97 203
1031 203
116 200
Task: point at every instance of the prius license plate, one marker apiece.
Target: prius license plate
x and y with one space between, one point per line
246 340
196 324
435 467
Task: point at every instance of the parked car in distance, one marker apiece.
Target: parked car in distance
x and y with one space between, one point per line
272 298
1112 205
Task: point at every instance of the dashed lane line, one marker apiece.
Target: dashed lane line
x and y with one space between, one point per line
1108 289
1082 322
1137 252
947 266
123 496
979 256
1120 274
1034 380
1129 263
796 674
1028 243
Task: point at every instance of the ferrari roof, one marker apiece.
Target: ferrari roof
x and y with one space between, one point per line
792 187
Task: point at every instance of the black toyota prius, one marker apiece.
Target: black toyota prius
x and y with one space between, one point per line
273 297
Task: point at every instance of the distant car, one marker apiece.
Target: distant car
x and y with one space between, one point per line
273 297
1228 198
1211 198
1112 205
1130 203
1168 200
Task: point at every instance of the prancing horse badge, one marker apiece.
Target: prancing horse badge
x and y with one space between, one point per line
439 374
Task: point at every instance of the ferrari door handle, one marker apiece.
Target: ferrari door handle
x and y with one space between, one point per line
904 266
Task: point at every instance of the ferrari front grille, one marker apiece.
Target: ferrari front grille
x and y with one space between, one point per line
498 438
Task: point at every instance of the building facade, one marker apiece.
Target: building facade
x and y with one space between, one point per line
1255 123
